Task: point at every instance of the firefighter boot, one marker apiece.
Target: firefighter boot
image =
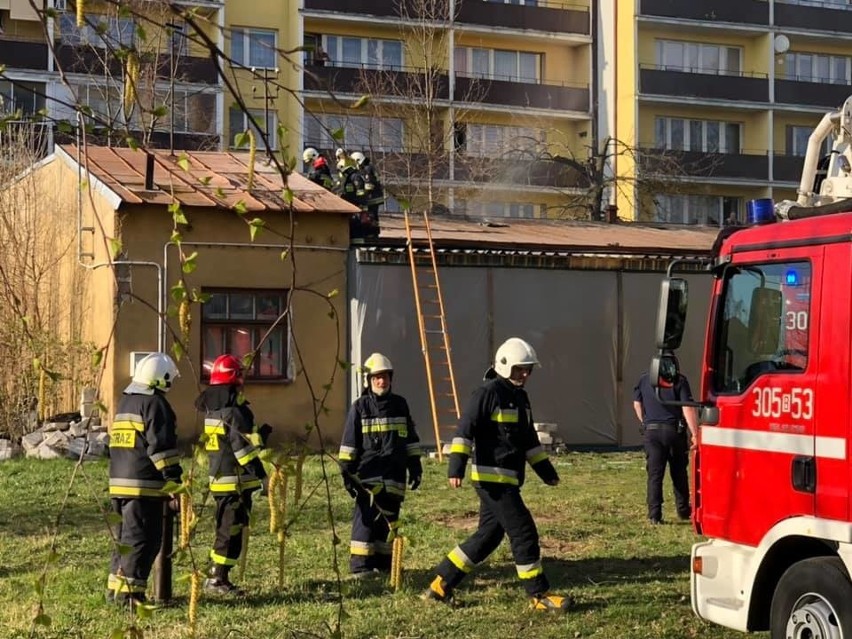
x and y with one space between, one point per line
217 582
438 591
549 602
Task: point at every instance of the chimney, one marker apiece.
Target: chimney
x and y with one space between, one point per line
149 171
611 213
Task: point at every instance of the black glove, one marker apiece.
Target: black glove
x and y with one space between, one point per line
264 431
415 472
349 485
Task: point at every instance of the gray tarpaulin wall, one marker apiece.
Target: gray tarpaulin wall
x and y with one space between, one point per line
586 326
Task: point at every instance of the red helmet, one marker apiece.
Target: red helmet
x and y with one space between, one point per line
226 370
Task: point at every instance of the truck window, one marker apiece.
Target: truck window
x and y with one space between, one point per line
761 331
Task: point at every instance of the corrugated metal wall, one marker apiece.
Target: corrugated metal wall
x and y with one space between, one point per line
593 331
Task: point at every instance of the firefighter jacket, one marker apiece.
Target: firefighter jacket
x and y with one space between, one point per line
320 173
230 436
372 186
143 453
496 429
352 186
380 443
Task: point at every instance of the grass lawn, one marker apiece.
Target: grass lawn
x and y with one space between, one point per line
627 578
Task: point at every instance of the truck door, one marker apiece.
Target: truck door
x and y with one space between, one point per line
758 460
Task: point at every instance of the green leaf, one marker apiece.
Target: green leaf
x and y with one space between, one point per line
100 407
174 207
180 218
160 111
64 126
288 195
337 135
42 620
190 263
266 455
123 549
333 293
241 139
140 32
184 163
360 102
113 519
284 254
144 611
178 292
206 180
247 360
97 357
117 633
254 227
177 350
132 142
172 487
115 247
176 237
404 204
240 207
219 193
202 298
331 314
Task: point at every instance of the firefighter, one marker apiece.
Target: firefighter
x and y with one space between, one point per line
374 193
496 429
143 456
352 190
317 168
235 468
379 454
666 438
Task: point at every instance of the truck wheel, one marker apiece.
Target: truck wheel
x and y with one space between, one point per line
811 601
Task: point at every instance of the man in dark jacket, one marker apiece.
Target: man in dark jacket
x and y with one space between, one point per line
668 433
318 170
235 468
496 428
143 456
380 447
374 194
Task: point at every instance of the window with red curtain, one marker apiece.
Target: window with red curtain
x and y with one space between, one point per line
236 320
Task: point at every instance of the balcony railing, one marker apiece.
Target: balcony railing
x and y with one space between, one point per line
675 81
23 54
493 90
749 165
92 61
814 16
787 168
402 82
739 11
821 94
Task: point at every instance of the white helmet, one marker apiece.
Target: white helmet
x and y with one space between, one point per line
154 371
514 352
376 363
358 157
310 154
339 153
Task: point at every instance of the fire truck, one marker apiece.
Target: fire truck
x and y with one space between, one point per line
772 474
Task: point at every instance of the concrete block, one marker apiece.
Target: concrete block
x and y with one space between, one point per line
77 429
545 427
90 450
8 450
47 452
55 426
55 439
32 441
545 439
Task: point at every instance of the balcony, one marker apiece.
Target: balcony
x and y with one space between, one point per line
381 8
697 164
560 173
737 11
814 18
23 54
676 82
818 94
402 82
558 97
554 17
91 61
787 168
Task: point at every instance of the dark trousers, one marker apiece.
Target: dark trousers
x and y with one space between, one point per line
140 533
667 446
371 527
232 517
501 511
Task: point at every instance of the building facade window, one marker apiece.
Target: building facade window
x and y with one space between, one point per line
709 210
363 53
797 140
475 208
359 132
240 122
708 136
696 57
498 64
254 47
497 141
106 31
26 97
194 112
234 321
817 67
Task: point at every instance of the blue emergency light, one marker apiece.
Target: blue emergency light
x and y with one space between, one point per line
791 278
760 211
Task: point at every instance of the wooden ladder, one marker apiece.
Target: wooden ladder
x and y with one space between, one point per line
434 336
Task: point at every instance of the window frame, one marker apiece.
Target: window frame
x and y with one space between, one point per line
469 70
246 34
365 133
665 125
336 58
258 328
699 53
692 209
253 119
794 61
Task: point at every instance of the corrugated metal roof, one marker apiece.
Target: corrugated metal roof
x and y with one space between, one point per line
623 238
212 179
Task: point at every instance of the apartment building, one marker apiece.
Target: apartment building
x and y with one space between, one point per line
720 96
179 98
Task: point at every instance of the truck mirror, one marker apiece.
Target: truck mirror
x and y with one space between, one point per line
764 322
671 314
664 370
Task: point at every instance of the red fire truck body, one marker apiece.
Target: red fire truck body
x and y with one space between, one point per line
773 469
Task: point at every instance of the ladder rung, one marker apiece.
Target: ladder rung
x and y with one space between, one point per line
433 331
